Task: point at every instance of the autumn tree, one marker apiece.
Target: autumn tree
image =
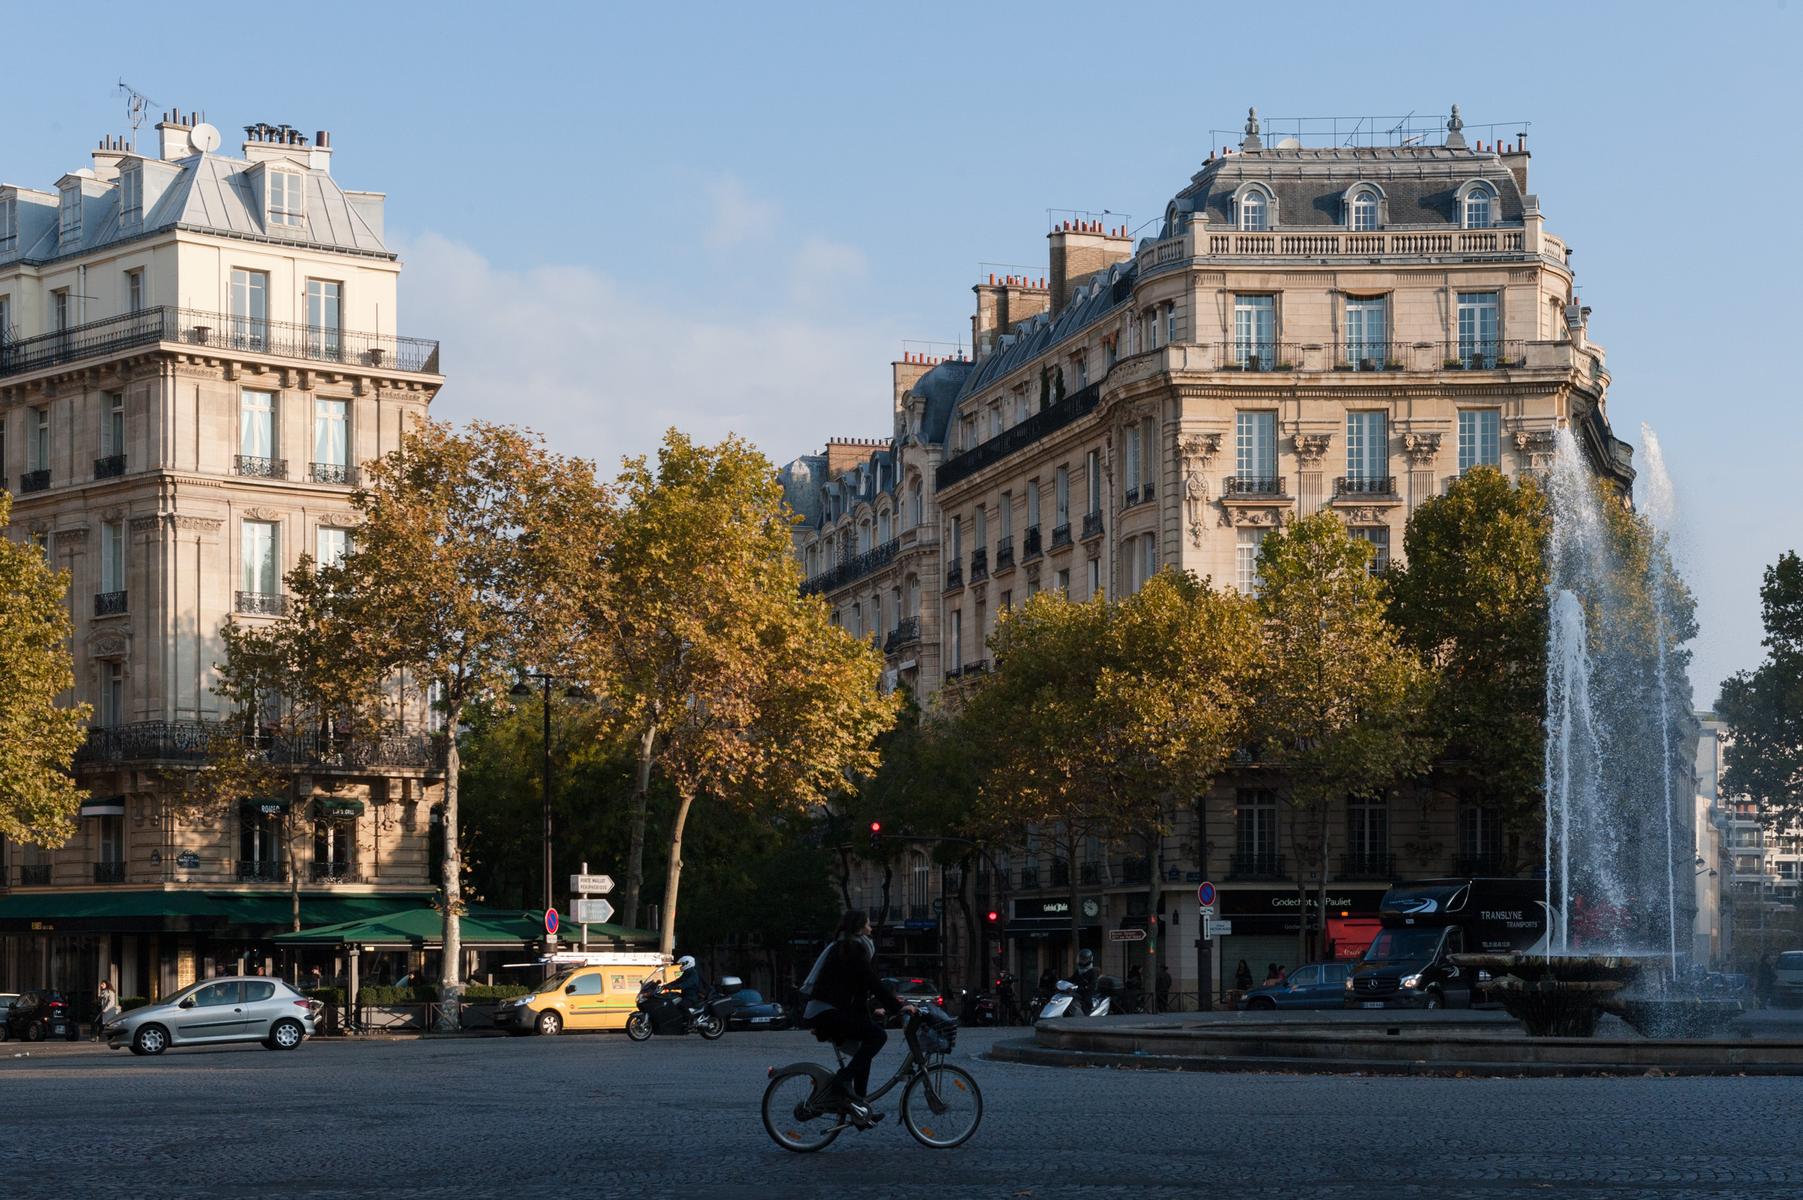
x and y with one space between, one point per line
1764 706
1340 700
38 737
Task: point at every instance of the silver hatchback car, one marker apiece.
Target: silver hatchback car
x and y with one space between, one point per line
237 1008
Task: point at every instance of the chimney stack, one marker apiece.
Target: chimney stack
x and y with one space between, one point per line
1001 306
1081 250
172 136
1515 157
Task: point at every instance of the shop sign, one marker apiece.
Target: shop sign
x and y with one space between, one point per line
1269 911
187 860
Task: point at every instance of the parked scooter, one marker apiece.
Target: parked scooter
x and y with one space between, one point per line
1066 1001
664 1013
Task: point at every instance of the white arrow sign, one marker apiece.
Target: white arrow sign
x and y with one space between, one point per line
591 885
591 912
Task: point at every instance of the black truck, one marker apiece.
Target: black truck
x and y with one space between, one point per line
1409 965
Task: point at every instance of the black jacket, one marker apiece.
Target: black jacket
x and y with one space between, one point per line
848 980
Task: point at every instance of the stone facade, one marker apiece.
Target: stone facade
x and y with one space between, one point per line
196 352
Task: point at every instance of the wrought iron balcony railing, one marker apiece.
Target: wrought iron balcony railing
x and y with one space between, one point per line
1045 421
109 872
954 576
256 467
1482 354
34 875
904 634
852 569
1061 535
330 473
1256 866
1371 356
109 604
1370 865
34 481
1250 485
1092 525
979 564
334 872
1265 356
1030 547
189 742
1365 485
192 327
261 604
110 467
262 870
1004 553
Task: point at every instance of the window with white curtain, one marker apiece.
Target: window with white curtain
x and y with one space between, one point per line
1033 504
1246 560
286 205
260 574
331 443
250 309
1255 445
1132 471
38 439
256 424
112 556
1092 470
325 322
1367 332
1478 325
1061 493
112 696
1378 538
1255 331
330 545
1367 446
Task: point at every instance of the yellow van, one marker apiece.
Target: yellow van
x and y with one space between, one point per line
597 991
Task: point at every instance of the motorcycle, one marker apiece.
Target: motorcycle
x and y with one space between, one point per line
977 1008
1067 1002
665 1013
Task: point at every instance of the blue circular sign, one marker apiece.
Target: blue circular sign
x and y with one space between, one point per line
1205 895
551 920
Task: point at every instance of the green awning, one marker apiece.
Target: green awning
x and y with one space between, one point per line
329 804
424 926
193 908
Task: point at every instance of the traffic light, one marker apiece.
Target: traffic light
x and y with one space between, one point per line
994 916
876 834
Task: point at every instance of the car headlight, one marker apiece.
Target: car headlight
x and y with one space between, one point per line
1411 981
523 1001
1349 983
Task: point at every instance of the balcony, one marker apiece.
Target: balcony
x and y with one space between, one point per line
110 467
1200 241
1367 866
34 481
954 576
109 872
191 327
253 467
330 473
1347 485
1092 525
1030 547
334 872
979 564
849 570
34 875
109 604
1143 494
1061 535
1004 554
1372 356
1262 487
261 604
1479 354
188 742
1256 866
904 634
1264 356
258 870
1041 423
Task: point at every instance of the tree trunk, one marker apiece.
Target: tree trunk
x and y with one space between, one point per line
1148 986
450 967
845 876
673 877
1299 847
882 914
635 847
291 820
1321 889
1075 876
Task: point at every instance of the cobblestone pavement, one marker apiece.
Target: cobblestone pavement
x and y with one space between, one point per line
597 1116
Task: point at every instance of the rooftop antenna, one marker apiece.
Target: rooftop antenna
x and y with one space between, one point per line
1400 131
137 104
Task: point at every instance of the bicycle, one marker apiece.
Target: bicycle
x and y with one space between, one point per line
941 1104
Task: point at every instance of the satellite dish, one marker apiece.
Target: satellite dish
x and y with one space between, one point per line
204 138
1290 143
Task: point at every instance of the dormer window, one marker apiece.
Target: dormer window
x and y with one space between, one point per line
1361 210
68 214
9 223
1254 209
1479 206
131 196
285 204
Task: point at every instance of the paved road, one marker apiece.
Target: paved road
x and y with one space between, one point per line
597 1116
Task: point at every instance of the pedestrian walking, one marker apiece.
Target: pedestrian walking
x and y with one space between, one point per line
1765 980
1242 977
106 1007
1163 986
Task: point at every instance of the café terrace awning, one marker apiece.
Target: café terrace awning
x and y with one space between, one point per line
481 927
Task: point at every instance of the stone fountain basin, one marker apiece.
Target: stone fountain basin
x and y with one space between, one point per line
1675 1016
1562 968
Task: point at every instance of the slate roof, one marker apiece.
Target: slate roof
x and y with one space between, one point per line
1096 300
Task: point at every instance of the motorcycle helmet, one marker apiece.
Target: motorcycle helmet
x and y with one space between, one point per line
1085 959
686 963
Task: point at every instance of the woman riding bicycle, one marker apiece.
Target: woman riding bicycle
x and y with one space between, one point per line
844 980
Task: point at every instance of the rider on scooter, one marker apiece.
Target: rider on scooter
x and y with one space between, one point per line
1084 979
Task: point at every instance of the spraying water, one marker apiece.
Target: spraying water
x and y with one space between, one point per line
1660 508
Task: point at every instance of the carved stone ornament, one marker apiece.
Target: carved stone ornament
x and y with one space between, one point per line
1258 518
1421 448
338 521
1311 448
110 644
145 524
262 514
1364 514
1536 441
199 524
1197 450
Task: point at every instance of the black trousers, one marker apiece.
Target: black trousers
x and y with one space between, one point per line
837 1025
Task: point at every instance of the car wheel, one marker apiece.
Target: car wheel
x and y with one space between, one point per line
150 1039
286 1035
638 1027
549 1023
34 1032
1433 1001
74 1034
5 1031
1261 1004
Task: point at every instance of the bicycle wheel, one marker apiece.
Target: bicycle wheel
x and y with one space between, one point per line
794 1118
942 1106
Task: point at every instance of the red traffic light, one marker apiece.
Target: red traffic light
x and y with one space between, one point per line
994 917
876 827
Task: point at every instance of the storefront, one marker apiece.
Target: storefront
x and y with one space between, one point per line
1266 922
1039 935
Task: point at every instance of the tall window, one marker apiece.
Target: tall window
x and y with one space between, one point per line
1064 582
957 540
37 456
1480 837
1361 213
1368 833
882 527
112 556
110 839
112 429
1093 473
325 326
285 204
331 443
1132 472
1255 448
1255 831
256 425
260 574
980 528
1378 538
1367 333
1246 560
131 195
1479 438
957 623
1255 332
134 291
916 505
1478 325
329 545
1480 206
250 309
1033 504
334 845
61 315
112 695
1255 210
1005 516
68 215
1140 557
9 223
1061 493
6 317
1367 447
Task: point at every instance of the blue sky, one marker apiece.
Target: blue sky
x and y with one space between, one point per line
731 217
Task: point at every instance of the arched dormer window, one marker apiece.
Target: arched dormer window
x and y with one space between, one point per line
1253 207
1477 205
916 504
1361 209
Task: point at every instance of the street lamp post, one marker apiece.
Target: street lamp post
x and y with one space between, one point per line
521 689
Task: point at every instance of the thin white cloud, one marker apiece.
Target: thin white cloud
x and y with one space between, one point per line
602 370
737 215
822 269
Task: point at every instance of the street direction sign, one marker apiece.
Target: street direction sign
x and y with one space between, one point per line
551 921
1126 935
1205 894
584 911
591 885
1215 929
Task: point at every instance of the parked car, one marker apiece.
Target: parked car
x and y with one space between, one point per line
913 990
1787 978
237 1008
38 1014
1317 985
600 993
752 1011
